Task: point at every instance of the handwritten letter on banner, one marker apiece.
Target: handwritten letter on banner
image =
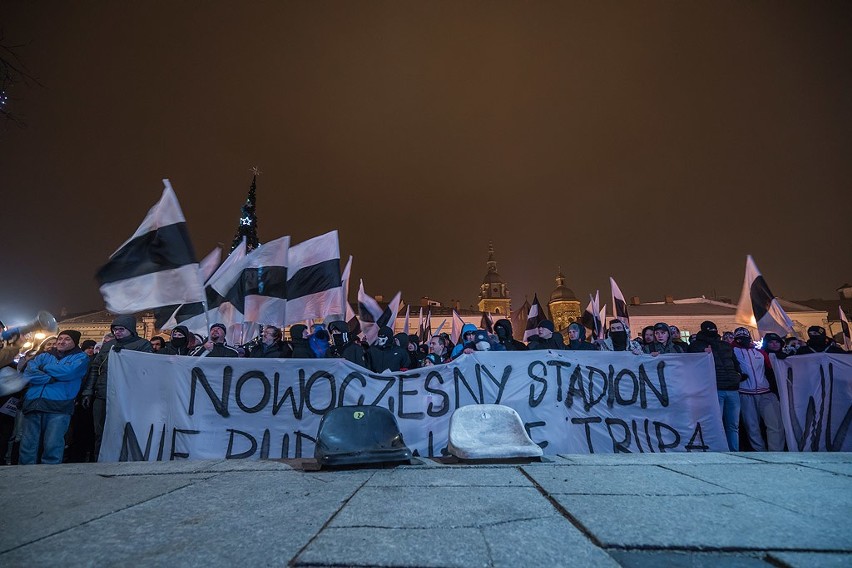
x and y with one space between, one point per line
168 407
816 401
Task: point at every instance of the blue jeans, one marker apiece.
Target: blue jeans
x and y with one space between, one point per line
47 429
729 401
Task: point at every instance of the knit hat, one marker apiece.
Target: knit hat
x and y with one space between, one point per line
73 334
661 326
546 324
709 326
816 330
220 326
89 343
772 337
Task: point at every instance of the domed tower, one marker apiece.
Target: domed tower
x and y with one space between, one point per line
564 305
493 294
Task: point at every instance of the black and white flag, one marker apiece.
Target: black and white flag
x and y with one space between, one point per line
844 325
264 282
758 306
590 317
534 319
486 322
424 331
164 317
407 322
373 316
519 320
619 306
156 266
456 328
315 287
223 294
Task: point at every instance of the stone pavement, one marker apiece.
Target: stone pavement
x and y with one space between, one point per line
648 510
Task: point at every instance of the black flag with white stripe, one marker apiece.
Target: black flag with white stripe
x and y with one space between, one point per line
534 319
315 284
619 306
758 307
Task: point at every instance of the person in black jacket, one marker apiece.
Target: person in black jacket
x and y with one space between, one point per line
343 344
270 346
818 342
215 345
386 355
179 342
728 378
300 342
503 330
546 339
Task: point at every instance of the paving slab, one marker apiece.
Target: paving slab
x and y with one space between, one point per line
796 487
620 480
452 477
256 518
385 546
42 502
656 459
812 559
669 559
725 521
441 507
799 457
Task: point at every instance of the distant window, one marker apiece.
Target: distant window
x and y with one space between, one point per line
496 290
496 310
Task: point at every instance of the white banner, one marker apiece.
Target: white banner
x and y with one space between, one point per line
170 407
816 401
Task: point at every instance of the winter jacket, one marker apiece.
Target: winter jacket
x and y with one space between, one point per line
553 342
657 347
459 348
506 337
758 376
352 352
580 344
301 347
96 381
54 380
391 356
727 369
277 350
219 350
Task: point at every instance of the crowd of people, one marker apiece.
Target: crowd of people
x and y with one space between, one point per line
60 413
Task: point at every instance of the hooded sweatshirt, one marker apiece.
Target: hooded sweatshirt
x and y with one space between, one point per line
503 330
580 344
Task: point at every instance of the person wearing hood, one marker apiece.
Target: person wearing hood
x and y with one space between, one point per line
546 338
818 342
503 330
343 344
300 341
728 378
385 354
758 394
215 345
618 339
414 351
484 342
319 341
773 344
577 338
403 340
465 337
123 328
270 346
674 331
179 342
662 342
54 380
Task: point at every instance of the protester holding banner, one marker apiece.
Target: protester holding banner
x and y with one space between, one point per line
270 346
385 354
758 394
662 342
215 344
546 338
618 339
728 378
179 344
54 378
343 344
438 348
123 329
503 330
577 338
299 341
818 342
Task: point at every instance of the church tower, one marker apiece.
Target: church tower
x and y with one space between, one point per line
564 305
493 294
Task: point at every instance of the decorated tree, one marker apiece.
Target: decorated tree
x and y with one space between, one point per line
247 226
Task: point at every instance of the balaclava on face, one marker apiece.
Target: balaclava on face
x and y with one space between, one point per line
619 339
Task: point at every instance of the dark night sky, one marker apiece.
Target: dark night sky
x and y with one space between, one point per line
655 142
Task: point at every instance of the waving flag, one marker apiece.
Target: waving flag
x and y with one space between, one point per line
619 306
844 324
156 266
519 321
164 316
264 282
758 306
315 286
534 319
590 317
373 316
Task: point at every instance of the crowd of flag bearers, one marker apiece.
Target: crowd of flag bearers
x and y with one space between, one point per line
269 298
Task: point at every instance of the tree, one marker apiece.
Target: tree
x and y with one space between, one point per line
247 226
12 73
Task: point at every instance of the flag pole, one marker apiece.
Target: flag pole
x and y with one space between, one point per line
438 331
